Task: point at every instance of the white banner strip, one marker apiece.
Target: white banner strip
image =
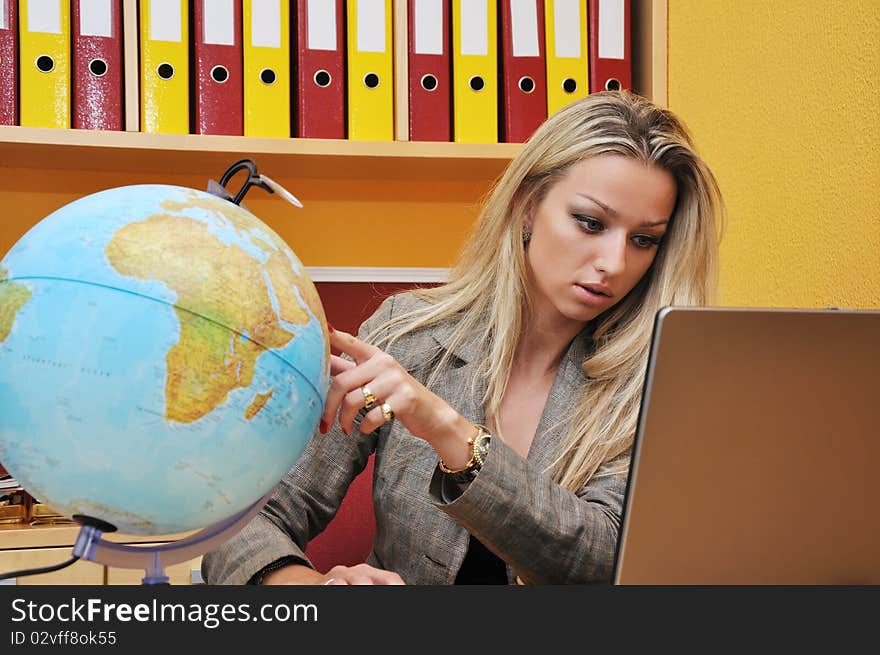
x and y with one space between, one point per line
376 274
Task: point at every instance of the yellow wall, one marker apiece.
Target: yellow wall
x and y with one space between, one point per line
782 98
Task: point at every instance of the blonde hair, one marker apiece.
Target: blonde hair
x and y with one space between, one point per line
487 295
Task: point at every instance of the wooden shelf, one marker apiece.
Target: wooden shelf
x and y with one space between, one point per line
649 49
60 149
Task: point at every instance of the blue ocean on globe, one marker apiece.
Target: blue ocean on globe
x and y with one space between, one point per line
164 359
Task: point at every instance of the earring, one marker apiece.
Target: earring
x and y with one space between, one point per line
526 233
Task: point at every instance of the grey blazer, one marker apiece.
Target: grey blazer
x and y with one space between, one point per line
545 533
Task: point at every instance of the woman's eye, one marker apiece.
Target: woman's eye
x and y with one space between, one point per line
643 241
589 223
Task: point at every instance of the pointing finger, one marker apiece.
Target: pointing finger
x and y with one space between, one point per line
351 345
339 365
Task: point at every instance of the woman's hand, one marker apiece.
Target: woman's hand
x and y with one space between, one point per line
361 574
422 412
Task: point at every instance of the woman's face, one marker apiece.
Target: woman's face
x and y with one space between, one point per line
595 234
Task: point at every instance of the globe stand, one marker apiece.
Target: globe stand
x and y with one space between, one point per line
153 559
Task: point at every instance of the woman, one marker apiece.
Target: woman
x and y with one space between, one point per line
502 406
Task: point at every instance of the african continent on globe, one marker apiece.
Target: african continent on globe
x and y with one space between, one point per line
164 359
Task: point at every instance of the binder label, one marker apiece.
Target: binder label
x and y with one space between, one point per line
95 18
165 21
44 16
219 22
4 25
428 22
266 23
567 27
611 29
474 27
371 25
321 28
524 28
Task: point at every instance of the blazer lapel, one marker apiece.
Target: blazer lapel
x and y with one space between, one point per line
459 382
564 393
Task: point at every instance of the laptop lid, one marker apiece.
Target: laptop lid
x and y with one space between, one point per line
757 454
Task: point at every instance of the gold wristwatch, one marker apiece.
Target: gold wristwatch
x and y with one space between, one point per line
479 444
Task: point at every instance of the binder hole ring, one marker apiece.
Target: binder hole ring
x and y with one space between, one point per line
220 74
526 84
429 82
45 64
612 84
569 85
476 83
165 71
98 67
268 76
371 80
323 78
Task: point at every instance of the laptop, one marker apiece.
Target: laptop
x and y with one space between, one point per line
757 453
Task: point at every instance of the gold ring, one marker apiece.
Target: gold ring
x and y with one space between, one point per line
387 412
369 398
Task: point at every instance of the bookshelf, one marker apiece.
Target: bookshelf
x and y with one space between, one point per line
367 204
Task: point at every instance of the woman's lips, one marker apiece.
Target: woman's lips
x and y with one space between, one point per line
591 296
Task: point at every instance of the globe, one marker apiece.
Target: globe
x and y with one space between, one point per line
164 359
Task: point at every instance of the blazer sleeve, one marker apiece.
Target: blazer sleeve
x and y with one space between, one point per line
305 500
547 534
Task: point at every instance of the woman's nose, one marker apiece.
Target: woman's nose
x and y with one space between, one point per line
611 259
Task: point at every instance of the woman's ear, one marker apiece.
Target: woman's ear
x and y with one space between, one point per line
524 201
529 214
527 223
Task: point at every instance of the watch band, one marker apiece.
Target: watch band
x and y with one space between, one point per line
479 444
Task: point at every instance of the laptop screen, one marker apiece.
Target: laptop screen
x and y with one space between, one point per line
757 453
